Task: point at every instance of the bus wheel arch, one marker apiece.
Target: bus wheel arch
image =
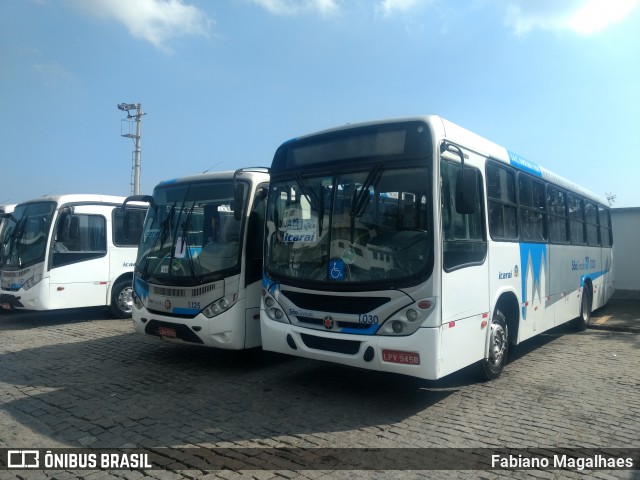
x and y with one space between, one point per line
121 304
503 331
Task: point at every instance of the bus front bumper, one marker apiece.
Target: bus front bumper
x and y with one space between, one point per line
10 302
416 355
226 330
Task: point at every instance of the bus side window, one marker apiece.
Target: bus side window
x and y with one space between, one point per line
532 204
576 220
127 227
80 237
464 236
501 191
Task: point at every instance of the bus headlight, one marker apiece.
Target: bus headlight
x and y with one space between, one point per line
136 300
219 306
273 309
408 320
32 281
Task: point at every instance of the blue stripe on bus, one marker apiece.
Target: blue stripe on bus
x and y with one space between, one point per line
359 331
168 182
523 164
592 276
186 311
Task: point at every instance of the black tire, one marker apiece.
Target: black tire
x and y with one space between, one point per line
586 308
122 299
493 365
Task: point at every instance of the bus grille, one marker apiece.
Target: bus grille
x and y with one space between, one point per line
320 322
183 292
169 292
196 292
349 347
182 331
334 303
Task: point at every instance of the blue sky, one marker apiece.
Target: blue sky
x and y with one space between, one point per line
224 83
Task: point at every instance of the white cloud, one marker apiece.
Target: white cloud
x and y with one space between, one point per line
292 7
389 7
581 16
52 74
156 21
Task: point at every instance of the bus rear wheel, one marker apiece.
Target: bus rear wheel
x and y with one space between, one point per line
122 299
586 306
496 360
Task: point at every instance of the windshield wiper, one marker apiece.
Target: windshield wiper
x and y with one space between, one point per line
185 243
361 199
175 236
162 234
16 238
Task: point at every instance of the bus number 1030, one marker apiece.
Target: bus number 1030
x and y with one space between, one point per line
368 319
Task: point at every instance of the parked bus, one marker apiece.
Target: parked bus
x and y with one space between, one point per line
199 266
415 246
69 251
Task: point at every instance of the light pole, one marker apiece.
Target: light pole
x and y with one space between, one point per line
127 107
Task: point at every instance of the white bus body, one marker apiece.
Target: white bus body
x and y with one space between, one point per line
69 251
415 246
199 266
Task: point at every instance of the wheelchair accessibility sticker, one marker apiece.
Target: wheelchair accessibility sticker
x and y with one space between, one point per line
336 269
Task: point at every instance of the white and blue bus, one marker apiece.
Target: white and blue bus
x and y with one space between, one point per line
69 251
418 247
199 267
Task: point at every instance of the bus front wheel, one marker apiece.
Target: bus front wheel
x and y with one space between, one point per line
493 365
122 299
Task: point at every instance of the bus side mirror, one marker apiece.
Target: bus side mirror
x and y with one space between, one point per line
262 193
467 191
138 198
254 245
238 202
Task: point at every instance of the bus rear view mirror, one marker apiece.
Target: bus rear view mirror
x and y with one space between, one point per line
466 191
238 201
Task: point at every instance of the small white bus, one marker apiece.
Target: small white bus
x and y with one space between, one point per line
69 251
418 247
199 267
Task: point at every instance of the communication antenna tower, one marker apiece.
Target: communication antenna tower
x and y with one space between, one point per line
128 122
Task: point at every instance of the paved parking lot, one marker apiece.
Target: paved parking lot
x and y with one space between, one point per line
82 379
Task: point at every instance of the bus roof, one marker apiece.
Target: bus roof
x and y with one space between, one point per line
255 175
77 198
456 134
481 145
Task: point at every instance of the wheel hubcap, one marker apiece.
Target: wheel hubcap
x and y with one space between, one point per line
125 300
498 344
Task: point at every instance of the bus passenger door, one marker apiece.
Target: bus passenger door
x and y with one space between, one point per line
465 290
78 265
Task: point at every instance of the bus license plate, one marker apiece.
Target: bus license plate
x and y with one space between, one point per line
167 332
6 306
397 356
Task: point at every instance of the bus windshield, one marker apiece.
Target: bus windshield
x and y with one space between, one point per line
190 233
369 225
24 241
